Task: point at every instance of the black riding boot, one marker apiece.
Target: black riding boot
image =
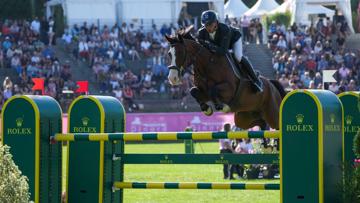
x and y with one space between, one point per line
253 76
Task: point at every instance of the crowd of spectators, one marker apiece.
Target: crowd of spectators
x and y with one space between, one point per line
108 51
248 146
300 53
26 47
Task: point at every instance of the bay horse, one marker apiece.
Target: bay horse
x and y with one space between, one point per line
215 81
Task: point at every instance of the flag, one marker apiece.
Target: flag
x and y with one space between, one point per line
38 84
328 76
83 86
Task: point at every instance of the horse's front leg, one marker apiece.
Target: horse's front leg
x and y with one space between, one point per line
201 97
219 94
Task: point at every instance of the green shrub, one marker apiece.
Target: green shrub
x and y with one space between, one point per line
13 185
356 147
280 18
351 189
355 21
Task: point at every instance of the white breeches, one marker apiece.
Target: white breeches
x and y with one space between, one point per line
238 49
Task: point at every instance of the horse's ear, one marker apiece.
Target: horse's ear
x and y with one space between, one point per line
169 39
188 29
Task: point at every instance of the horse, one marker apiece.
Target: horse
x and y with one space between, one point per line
215 81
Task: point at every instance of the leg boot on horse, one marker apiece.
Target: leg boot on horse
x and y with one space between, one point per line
214 95
201 98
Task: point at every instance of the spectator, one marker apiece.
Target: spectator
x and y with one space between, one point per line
259 29
51 31
281 44
129 99
35 25
83 50
7 83
2 59
226 148
118 94
67 38
245 23
134 55
7 92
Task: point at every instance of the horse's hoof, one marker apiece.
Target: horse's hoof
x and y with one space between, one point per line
209 111
226 108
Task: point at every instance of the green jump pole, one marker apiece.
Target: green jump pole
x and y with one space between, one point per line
168 136
188 185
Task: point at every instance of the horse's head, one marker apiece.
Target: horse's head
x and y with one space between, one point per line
178 57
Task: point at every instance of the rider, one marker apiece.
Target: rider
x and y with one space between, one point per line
219 38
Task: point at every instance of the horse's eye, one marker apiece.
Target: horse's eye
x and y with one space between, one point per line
169 55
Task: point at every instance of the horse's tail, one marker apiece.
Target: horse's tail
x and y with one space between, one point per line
279 87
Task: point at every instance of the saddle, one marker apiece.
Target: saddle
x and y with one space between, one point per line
240 73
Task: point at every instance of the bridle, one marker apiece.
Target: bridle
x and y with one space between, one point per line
181 69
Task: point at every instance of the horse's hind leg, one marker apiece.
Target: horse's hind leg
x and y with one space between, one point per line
271 115
201 98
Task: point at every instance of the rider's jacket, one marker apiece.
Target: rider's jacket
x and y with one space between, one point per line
224 39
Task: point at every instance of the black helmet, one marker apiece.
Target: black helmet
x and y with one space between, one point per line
208 17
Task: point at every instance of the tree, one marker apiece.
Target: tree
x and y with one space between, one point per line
14 187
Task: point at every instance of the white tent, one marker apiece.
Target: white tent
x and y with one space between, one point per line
101 12
309 9
262 7
108 12
343 6
235 8
301 9
284 7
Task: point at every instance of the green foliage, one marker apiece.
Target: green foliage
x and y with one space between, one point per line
21 9
280 18
356 147
351 187
13 186
355 21
14 9
354 4
250 3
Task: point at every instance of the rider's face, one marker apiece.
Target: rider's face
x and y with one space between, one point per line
211 27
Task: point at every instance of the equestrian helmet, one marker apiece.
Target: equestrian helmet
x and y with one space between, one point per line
208 17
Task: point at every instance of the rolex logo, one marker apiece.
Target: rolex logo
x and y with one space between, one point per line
299 118
19 122
332 118
348 120
166 157
85 121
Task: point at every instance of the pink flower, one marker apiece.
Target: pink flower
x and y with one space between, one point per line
357 162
